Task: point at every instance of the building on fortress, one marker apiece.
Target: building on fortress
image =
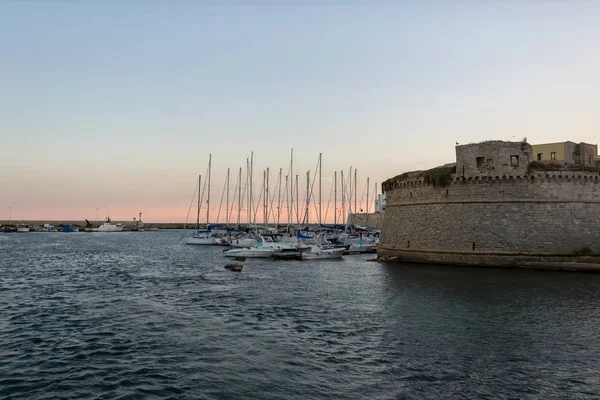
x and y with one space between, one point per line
566 153
495 207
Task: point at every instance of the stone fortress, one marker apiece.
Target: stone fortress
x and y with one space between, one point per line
495 207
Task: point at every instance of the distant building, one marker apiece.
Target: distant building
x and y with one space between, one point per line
566 153
380 203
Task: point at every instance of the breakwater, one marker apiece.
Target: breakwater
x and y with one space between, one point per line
157 225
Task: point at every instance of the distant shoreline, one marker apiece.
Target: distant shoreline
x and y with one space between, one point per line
159 225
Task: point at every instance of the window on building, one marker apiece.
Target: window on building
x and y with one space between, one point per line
553 155
480 162
514 161
590 160
539 157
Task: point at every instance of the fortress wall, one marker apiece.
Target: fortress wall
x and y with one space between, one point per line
466 222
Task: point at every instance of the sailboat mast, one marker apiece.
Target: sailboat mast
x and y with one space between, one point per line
367 208
266 200
279 198
248 186
355 197
198 216
291 209
368 184
320 189
350 193
297 204
307 196
227 206
267 197
334 198
239 196
208 197
287 183
343 198
251 174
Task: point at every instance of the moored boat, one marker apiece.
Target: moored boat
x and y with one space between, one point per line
255 252
360 249
242 242
108 226
203 237
317 253
203 240
23 228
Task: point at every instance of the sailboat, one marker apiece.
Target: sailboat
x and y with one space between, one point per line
203 237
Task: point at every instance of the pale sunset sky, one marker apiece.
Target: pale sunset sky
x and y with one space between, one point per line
116 104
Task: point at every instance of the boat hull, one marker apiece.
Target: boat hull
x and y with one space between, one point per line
317 253
241 243
23 228
361 250
109 229
288 256
322 256
250 253
201 241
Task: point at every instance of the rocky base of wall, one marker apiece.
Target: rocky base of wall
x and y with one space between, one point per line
562 262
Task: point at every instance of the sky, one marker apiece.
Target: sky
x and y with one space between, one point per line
116 104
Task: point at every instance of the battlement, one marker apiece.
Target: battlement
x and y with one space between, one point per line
550 176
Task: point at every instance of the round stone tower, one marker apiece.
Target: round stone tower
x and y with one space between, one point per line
494 208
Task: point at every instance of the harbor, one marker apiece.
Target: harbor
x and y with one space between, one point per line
278 223
303 201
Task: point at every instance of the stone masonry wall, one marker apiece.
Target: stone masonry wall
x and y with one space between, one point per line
546 214
496 159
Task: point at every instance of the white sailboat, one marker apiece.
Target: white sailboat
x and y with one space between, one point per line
242 242
203 238
253 252
259 250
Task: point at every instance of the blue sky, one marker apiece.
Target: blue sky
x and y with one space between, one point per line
117 104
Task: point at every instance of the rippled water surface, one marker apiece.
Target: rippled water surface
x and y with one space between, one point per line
138 315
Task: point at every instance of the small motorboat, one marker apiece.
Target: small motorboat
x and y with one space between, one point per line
23 228
317 253
360 249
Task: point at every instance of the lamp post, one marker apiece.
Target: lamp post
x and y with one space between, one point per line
9 214
97 209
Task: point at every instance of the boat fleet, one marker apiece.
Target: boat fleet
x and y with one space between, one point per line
273 238
327 244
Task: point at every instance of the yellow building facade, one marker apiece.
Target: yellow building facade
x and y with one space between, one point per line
566 153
